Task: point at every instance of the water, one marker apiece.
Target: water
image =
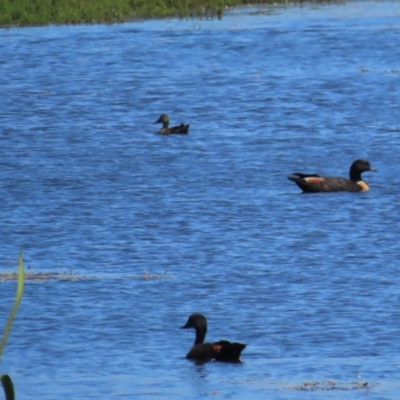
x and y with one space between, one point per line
309 282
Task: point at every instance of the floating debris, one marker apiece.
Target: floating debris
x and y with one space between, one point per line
149 276
329 385
70 276
382 71
39 276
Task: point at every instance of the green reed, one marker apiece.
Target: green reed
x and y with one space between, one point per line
6 379
43 12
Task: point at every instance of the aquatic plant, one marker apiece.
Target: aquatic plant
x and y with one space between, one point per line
6 379
42 12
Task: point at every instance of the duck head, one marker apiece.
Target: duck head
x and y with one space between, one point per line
358 167
199 323
164 119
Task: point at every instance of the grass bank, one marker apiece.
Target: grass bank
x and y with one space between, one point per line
44 12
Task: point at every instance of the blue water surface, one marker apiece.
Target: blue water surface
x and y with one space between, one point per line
88 188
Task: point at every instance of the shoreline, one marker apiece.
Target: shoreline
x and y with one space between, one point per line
109 12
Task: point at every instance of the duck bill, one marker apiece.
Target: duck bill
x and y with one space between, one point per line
158 121
186 326
373 169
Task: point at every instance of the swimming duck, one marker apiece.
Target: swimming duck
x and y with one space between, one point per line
180 129
313 183
219 351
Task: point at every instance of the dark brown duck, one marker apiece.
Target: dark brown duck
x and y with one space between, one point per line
219 351
180 129
313 183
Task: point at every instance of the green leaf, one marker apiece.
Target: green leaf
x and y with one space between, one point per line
8 387
20 292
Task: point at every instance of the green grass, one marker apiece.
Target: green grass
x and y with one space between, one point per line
20 292
44 12
6 379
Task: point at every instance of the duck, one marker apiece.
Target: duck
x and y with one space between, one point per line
313 183
217 351
180 129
